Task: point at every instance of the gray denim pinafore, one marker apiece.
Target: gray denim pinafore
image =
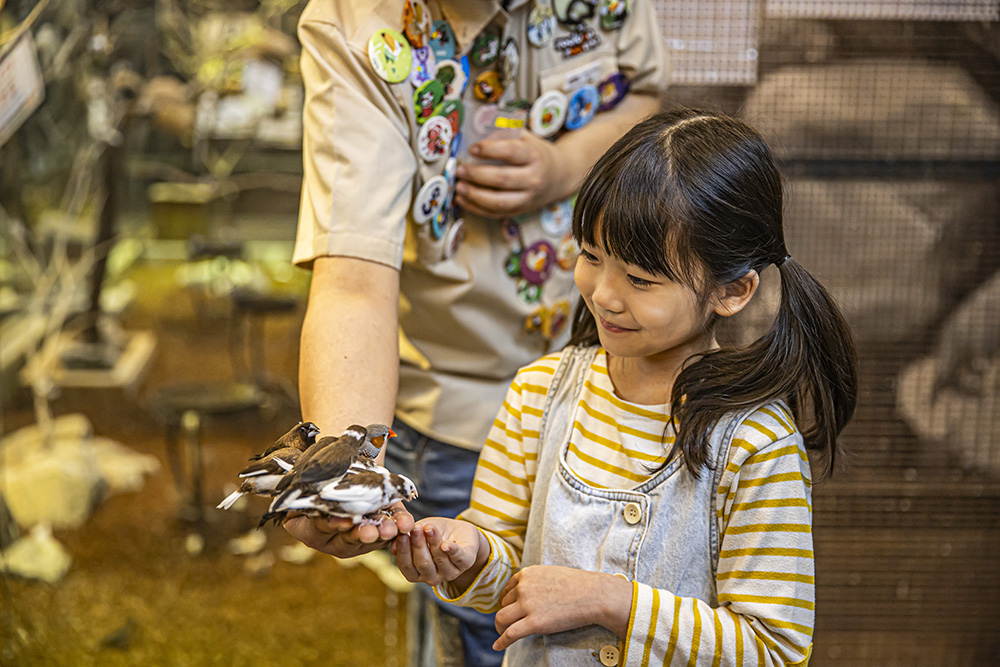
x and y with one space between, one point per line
661 533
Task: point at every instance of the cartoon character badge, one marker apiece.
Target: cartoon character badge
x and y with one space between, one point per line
574 12
538 262
427 100
442 40
557 218
509 61
488 87
430 200
612 89
582 107
390 55
541 25
435 138
567 253
548 113
416 22
452 77
613 13
486 48
454 112
423 67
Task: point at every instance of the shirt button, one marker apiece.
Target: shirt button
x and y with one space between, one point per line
609 655
633 513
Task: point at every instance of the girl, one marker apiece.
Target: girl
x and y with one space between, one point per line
644 496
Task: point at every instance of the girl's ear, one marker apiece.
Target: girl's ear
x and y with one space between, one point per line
731 298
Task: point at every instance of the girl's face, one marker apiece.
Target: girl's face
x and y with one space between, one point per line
640 314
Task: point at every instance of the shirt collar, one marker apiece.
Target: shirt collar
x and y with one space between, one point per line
468 17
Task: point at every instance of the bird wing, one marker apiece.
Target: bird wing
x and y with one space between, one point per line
278 462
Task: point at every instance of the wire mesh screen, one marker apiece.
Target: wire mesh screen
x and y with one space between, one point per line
886 118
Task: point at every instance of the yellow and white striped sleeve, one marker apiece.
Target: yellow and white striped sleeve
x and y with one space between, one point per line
765 579
501 491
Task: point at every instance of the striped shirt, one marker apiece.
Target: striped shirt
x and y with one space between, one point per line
764 582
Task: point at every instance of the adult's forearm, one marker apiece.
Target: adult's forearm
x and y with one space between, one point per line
580 150
349 353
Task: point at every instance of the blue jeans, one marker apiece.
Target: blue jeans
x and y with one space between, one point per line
443 474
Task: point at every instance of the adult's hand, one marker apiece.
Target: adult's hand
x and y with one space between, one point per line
529 176
341 538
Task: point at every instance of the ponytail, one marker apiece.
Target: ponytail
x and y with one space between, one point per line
807 358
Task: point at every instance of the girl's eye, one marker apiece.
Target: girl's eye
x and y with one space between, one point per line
590 257
639 282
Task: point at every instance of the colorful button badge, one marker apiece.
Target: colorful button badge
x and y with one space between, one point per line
510 59
567 253
487 87
452 77
583 106
557 218
613 13
612 89
453 238
423 68
574 12
430 200
541 25
486 48
434 139
538 262
454 111
427 100
390 56
416 22
548 113
442 40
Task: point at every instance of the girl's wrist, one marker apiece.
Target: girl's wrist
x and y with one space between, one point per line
615 606
463 581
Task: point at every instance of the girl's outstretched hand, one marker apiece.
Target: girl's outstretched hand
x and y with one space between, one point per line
439 550
542 599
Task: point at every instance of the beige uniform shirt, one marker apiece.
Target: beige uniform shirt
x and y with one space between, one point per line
462 321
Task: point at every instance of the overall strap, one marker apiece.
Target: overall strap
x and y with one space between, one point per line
567 383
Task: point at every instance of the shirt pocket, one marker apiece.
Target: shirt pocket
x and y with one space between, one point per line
587 69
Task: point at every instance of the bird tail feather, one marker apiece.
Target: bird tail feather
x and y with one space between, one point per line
229 500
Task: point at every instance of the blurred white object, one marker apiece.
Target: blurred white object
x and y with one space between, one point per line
37 556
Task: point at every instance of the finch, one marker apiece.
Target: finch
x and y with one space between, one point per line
261 477
301 437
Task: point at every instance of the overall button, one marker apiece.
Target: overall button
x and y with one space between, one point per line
608 655
633 513
621 575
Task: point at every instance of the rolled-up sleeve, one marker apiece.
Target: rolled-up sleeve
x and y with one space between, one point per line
358 166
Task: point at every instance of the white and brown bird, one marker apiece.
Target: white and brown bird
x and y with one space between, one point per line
362 494
327 461
261 477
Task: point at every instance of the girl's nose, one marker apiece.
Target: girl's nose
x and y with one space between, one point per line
606 294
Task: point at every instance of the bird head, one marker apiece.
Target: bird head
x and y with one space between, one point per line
375 437
409 488
308 431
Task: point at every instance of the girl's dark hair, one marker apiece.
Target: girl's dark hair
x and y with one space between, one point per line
695 196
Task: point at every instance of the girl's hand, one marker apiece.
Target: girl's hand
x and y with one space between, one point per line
341 538
542 599
529 178
439 550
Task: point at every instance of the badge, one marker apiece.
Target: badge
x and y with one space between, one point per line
453 238
612 89
558 317
567 253
427 100
613 13
538 262
454 112
423 67
442 40
416 22
581 40
582 107
512 232
439 223
574 12
548 113
456 144
557 218
534 322
389 54
513 265
430 200
435 137
486 48
541 25
529 292
452 77
487 86
450 169
509 60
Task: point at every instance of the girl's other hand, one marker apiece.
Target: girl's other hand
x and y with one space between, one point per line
542 599
528 178
439 550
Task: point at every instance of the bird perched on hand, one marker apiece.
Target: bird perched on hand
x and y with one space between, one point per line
261 477
327 461
363 494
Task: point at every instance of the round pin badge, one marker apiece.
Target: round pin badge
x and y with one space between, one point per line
612 89
541 25
454 111
416 22
439 223
509 61
427 100
452 77
512 231
567 253
442 40
538 262
529 292
558 317
453 238
485 48
613 13
512 267
430 199
536 320
548 113
487 87
423 68
557 218
574 12
434 139
582 107
450 173
484 120
390 55
456 144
